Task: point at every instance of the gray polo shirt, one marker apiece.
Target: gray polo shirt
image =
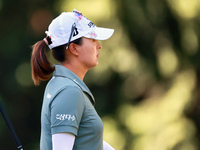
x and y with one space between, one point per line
68 107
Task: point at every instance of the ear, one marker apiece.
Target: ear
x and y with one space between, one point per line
73 49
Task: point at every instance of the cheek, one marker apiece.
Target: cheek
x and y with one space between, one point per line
89 57
89 51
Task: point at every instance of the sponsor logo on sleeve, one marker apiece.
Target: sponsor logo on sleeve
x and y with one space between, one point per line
65 117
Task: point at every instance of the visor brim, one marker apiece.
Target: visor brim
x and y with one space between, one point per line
100 33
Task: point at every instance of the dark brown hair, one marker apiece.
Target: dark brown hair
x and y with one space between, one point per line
41 67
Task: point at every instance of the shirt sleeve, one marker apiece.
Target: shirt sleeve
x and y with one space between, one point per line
66 111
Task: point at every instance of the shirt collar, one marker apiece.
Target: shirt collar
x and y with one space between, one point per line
66 73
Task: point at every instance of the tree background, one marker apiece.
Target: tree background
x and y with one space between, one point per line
146 86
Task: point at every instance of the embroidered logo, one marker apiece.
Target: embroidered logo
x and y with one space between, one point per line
48 95
65 117
75 32
93 35
91 24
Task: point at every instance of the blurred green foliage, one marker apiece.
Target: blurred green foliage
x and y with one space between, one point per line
146 86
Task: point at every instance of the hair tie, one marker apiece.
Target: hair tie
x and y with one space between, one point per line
45 40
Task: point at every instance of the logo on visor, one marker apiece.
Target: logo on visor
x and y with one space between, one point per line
91 24
75 31
92 35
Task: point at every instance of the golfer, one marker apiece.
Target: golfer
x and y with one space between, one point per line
68 118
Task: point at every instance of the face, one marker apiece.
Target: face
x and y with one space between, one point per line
88 52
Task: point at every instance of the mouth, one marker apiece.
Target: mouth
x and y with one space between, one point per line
98 55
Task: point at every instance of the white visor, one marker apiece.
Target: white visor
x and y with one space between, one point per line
60 29
100 33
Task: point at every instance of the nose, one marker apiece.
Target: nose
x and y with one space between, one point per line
99 45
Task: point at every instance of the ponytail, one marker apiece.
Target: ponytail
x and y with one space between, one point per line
41 67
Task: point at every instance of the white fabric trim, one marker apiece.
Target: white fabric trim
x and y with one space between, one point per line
106 146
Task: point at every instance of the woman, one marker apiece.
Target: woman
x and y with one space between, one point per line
68 119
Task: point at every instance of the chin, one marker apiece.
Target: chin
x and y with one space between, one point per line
97 63
94 65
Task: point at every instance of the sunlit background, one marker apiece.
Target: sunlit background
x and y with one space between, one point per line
147 83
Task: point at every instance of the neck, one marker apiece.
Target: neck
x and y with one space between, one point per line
80 72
